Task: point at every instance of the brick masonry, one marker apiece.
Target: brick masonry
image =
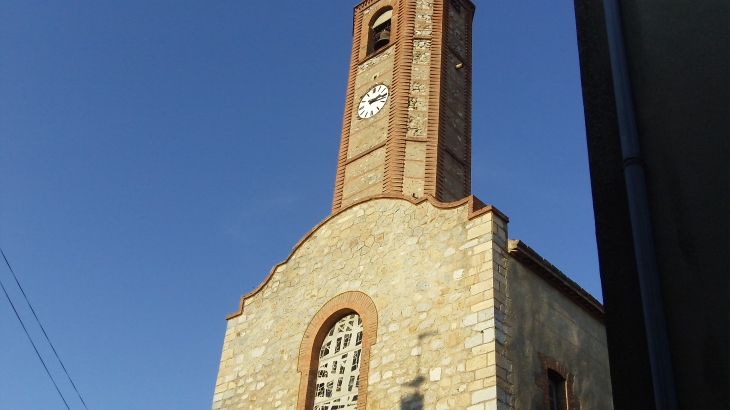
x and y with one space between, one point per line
420 142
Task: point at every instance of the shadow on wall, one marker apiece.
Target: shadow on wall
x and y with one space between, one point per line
414 401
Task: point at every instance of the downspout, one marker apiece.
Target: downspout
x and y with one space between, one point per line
633 167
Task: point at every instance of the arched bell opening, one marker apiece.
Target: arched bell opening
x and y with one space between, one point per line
380 30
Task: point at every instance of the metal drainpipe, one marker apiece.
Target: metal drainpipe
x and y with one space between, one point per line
633 165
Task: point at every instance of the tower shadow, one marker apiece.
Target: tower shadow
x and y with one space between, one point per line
414 401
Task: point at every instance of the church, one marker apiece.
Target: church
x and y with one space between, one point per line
410 294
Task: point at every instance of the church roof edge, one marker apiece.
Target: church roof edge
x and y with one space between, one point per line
523 253
476 208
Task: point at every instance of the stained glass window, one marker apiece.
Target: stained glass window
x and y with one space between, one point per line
339 366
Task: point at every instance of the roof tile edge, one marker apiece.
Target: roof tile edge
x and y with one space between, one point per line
520 251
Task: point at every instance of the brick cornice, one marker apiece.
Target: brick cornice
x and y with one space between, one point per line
364 4
556 278
332 311
475 208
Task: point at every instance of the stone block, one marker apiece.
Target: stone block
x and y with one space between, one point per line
476 362
478 231
482 305
474 340
484 394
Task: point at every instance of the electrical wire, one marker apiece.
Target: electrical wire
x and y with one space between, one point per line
44 331
34 348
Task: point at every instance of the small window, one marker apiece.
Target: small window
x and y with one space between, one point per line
380 31
556 391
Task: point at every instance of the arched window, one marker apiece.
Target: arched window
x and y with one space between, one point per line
338 369
556 383
380 31
335 352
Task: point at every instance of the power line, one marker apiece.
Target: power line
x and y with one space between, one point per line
44 332
31 342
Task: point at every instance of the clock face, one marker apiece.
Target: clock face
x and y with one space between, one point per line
373 101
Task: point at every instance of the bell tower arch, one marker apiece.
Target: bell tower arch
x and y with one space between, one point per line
407 122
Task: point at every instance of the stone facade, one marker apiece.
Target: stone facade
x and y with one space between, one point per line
453 320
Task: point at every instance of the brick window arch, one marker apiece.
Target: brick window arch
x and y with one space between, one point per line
340 307
556 383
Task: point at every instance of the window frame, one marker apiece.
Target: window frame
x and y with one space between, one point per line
556 391
331 312
555 373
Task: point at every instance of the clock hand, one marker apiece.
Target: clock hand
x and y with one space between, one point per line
380 97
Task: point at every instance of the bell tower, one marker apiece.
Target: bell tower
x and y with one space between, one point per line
407 123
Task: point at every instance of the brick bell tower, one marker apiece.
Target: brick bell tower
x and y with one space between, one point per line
407 123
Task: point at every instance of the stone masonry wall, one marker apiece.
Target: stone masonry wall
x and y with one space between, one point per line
430 271
461 324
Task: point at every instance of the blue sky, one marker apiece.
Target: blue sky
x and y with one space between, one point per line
157 158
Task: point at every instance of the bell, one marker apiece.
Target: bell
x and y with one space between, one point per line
382 39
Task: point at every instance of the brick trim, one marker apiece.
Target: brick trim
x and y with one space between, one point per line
543 381
359 55
375 53
332 311
349 102
475 208
364 153
395 152
469 6
436 148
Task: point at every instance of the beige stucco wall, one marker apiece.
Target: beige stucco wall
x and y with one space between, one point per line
542 319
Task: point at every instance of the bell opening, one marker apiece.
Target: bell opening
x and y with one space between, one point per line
382 39
381 35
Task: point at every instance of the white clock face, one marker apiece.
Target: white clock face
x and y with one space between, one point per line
373 101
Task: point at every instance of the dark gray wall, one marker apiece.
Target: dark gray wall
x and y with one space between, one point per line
679 62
